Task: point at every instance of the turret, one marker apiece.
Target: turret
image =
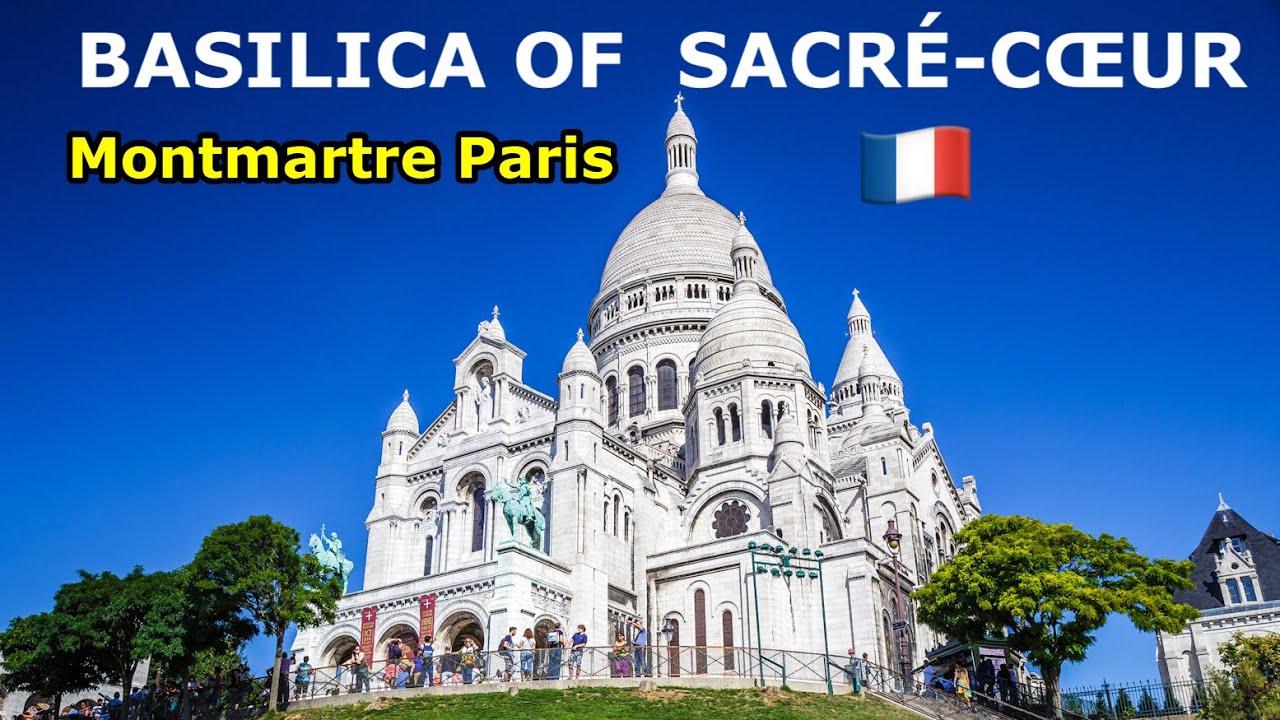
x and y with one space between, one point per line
401 432
579 385
682 152
863 353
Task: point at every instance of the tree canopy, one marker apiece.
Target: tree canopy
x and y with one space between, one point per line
1251 689
1047 588
256 566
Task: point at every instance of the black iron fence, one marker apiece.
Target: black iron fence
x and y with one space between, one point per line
1135 700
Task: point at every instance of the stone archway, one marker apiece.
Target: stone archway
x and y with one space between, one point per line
456 629
338 651
401 631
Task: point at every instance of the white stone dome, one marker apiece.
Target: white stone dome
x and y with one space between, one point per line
403 418
680 125
750 328
682 232
579 358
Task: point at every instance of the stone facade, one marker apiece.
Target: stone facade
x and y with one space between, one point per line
1237 577
687 425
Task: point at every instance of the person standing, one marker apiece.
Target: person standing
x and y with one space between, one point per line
360 669
302 681
962 683
986 676
286 664
621 656
555 647
506 650
526 647
578 644
428 653
640 649
469 658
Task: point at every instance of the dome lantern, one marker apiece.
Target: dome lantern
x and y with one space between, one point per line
682 152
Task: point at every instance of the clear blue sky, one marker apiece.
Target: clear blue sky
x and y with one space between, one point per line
1089 334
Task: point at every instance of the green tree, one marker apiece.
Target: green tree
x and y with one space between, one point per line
1124 706
255 566
1251 688
1147 704
39 658
1172 706
1047 589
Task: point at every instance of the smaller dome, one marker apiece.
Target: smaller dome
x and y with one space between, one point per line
750 330
744 240
404 418
858 309
492 328
579 358
788 432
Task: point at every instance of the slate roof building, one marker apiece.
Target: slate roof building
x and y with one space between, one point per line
1237 590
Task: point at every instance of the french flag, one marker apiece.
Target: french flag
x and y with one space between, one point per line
933 162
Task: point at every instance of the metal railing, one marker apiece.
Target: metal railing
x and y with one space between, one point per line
764 667
1136 699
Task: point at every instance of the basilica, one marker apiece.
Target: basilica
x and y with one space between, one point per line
685 423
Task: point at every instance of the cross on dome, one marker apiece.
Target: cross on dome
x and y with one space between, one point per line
579 334
742 218
679 100
495 312
406 399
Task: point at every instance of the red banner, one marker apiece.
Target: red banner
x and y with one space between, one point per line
368 628
427 616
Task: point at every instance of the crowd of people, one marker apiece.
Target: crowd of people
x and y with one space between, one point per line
234 696
419 663
990 684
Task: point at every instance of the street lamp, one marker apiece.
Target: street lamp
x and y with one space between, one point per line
778 562
893 539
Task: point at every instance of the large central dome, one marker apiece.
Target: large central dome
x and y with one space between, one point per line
680 232
683 231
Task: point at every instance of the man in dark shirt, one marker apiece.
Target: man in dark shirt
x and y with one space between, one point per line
505 649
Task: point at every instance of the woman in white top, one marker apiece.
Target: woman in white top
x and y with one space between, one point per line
526 645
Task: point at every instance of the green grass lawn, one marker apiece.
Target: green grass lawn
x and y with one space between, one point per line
619 704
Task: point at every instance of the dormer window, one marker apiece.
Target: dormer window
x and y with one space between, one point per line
1236 543
1250 593
1233 588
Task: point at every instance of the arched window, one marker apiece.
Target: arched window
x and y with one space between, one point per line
611 389
731 519
428 510
766 419
626 525
617 501
635 391
667 394
735 423
582 391
719 426
478 508
700 631
726 632
884 467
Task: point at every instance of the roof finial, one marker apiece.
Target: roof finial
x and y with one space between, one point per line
1222 504
406 394
679 101
855 293
495 312
742 219
579 334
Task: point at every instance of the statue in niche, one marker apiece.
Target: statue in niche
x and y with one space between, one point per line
484 402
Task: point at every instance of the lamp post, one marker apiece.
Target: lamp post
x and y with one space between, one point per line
668 631
779 562
893 539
